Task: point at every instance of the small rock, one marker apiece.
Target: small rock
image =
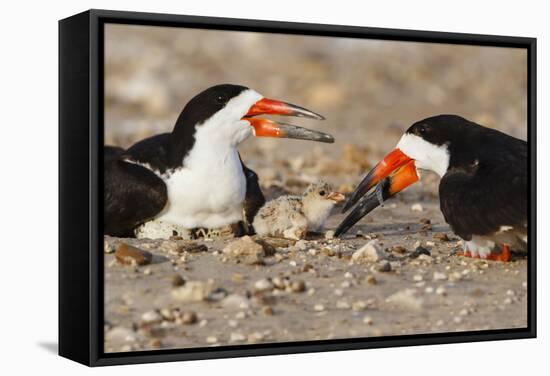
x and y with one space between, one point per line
155 343
417 278
441 236
107 248
359 306
178 280
417 207
319 307
217 294
455 276
298 286
329 234
438 276
367 320
419 250
382 266
237 337
189 317
236 301
399 249
255 337
263 285
429 290
245 250
370 252
151 317
349 275
120 334
425 221
130 255
267 310
371 280
193 248
407 299
211 339
441 291
192 291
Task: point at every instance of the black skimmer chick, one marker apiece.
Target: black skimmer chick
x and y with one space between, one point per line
483 188
193 177
293 216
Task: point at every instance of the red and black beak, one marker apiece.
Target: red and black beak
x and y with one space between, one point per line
270 128
393 174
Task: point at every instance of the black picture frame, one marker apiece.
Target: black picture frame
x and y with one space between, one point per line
80 179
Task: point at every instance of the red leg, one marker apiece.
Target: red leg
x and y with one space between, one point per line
464 253
504 254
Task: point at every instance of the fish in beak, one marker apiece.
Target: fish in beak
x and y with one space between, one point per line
270 128
394 173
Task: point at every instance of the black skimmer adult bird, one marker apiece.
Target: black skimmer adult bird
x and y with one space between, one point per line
483 188
193 177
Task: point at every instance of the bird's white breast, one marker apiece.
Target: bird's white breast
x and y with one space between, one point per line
209 190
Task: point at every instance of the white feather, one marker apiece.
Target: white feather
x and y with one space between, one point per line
427 156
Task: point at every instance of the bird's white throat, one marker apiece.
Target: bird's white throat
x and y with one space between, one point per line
427 156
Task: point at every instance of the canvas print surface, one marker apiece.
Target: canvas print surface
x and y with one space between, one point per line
268 188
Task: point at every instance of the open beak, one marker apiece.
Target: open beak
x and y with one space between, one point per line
270 128
336 197
393 174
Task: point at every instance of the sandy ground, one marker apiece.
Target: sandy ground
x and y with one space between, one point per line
370 92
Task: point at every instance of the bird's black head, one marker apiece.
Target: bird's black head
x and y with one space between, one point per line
225 114
440 129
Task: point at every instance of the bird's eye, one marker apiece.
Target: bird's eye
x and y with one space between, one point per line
221 99
322 193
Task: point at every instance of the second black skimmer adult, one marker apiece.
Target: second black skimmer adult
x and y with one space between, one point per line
483 188
193 177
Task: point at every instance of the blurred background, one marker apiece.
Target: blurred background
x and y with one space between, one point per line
370 91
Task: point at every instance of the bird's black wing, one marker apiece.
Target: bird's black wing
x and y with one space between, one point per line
153 151
254 198
491 192
132 194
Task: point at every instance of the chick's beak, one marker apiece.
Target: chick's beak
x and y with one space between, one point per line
393 174
270 128
336 196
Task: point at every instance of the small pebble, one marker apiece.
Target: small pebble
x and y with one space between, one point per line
263 285
438 276
319 307
417 207
177 280
417 278
367 320
371 280
211 339
370 252
107 248
441 291
237 337
130 255
151 317
267 310
359 305
189 317
382 266
298 286
329 234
